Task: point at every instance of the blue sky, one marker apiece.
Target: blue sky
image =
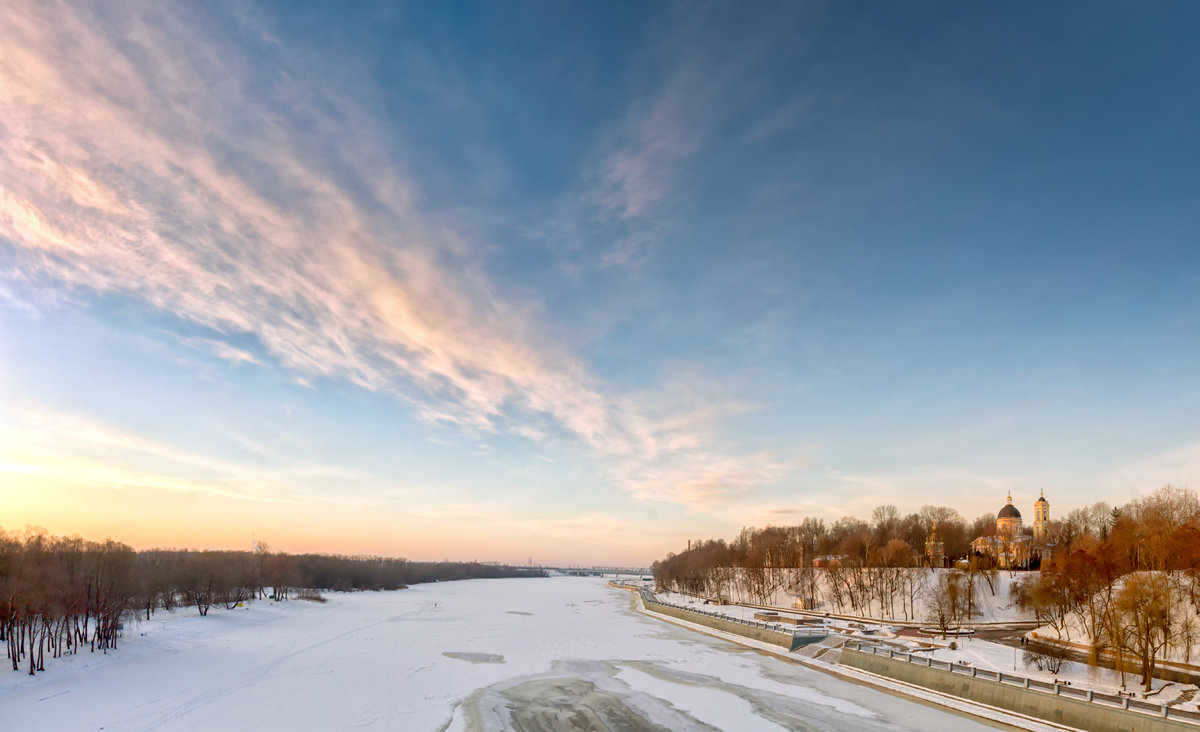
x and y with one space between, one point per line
579 282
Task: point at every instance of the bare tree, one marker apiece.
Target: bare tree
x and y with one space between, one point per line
944 601
1146 606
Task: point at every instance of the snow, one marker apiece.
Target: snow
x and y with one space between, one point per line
994 603
999 657
481 654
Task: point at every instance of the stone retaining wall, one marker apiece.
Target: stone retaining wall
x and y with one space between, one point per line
1052 707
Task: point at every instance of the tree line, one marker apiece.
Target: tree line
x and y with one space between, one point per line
1126 581
776 557
60 595
1124 577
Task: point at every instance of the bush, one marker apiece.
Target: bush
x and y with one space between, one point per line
310 595
1046 657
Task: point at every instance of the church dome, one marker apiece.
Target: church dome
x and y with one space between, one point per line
1009 511
1041 499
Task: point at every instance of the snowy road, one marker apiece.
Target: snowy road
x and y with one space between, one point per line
538 654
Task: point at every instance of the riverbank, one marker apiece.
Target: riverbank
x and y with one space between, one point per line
827 664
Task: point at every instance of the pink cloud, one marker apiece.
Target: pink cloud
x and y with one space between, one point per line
120 176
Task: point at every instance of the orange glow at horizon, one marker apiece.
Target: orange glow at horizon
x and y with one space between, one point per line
147 518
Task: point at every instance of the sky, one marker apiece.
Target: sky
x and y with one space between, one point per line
574 283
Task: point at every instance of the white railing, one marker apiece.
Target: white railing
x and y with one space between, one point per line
1056 688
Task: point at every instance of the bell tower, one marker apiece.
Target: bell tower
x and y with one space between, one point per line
1041 517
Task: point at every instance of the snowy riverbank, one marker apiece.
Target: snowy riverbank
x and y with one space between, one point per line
474 655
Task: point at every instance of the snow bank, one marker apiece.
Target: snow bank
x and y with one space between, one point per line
993 602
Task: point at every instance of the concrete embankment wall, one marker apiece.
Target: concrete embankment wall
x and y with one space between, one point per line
1052 708
746 629
728 626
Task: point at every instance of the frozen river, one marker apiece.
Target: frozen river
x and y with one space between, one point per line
533 654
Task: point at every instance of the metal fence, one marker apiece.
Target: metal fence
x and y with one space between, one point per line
1120 701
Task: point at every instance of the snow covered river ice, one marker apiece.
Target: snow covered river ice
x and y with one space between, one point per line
514 654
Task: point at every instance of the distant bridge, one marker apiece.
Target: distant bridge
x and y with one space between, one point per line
588 571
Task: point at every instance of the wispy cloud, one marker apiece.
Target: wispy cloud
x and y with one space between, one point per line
146 156
74 449
1179 465
120 178
596 528
643 161
221 350
706 480
530 433
792 114
8 297
966 489
628 198
97 473
636 169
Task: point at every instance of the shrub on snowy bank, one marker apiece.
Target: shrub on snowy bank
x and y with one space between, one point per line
310 595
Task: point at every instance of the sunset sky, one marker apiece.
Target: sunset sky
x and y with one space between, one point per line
578 282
